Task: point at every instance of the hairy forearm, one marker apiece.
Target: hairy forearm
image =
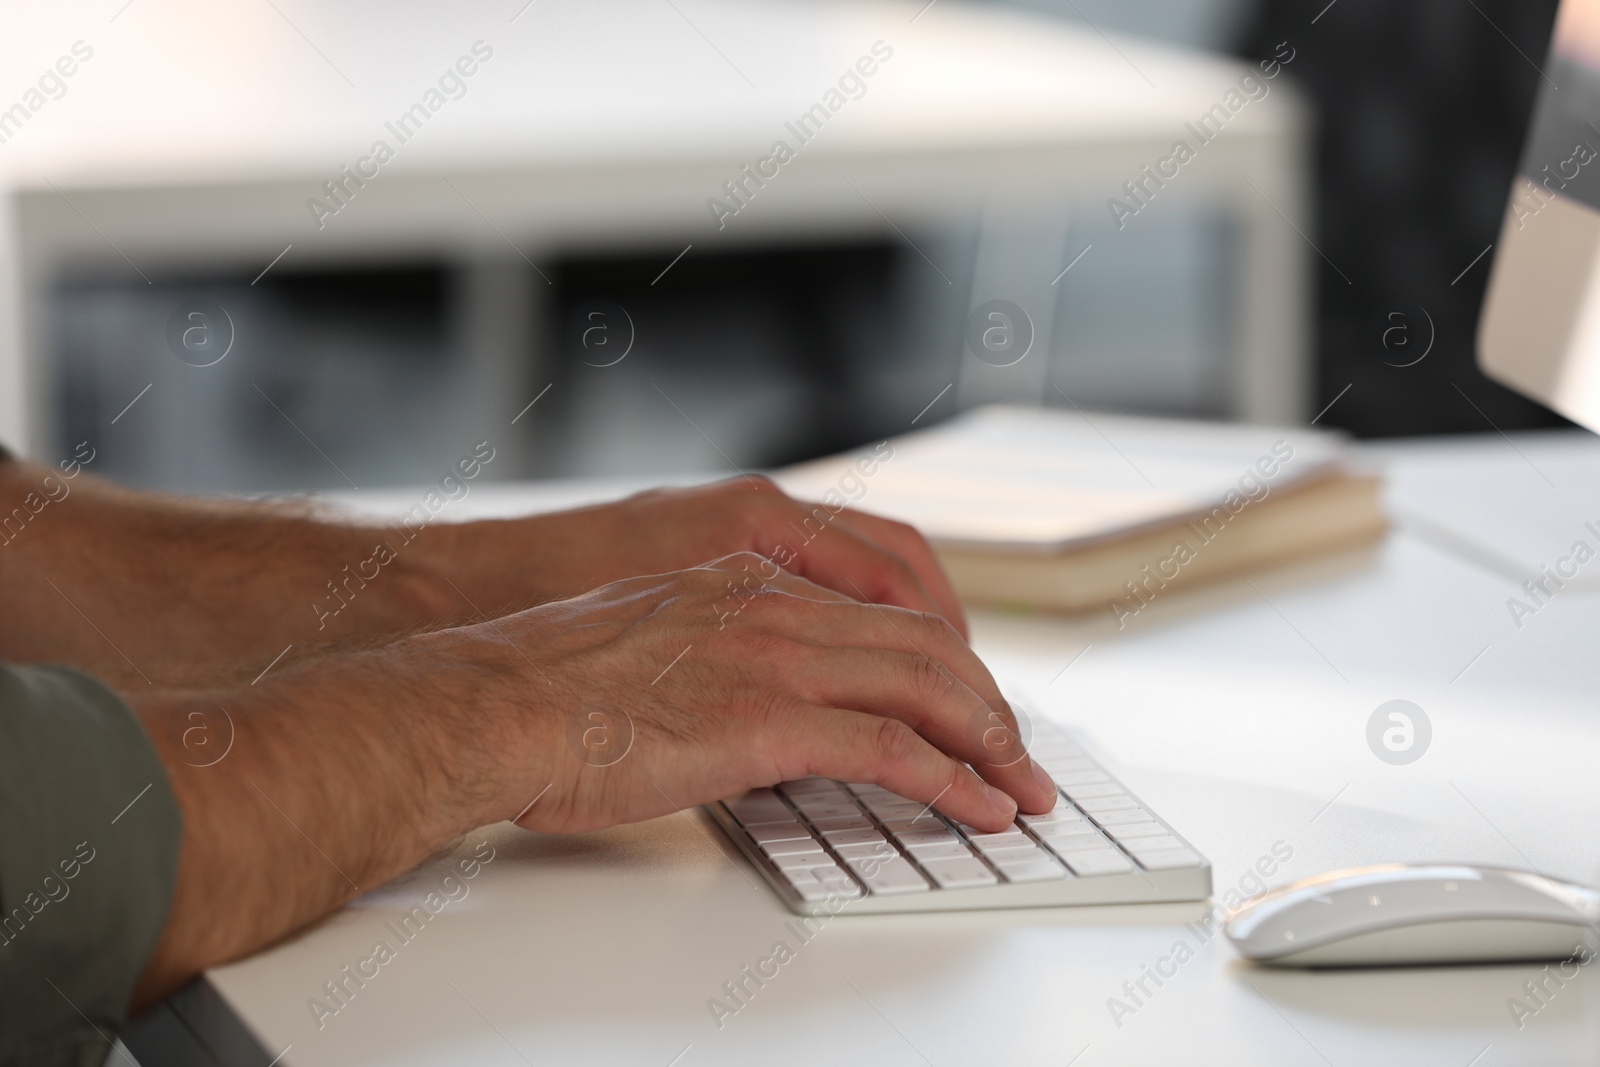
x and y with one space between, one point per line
144 589
152 590
322 782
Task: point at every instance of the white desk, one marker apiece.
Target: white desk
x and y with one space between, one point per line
193 139
1241 720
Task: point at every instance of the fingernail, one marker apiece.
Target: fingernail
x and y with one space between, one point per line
1042 776
1000 801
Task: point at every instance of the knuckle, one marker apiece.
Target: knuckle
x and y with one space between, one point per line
764 602
734 563
907 531
762 632
910 581
761 646
772 710
708 581
928 678
939 627
893 741
749 494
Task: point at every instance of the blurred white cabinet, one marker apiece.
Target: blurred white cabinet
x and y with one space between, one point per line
203 138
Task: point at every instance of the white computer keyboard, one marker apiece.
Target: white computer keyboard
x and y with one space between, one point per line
817 839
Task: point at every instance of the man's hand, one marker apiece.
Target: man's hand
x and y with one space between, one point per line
659 693
345 771
865 557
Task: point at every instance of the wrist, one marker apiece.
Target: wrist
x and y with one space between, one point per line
373 580
376 758
477 720
492 567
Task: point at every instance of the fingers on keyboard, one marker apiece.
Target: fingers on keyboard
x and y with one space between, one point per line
850 839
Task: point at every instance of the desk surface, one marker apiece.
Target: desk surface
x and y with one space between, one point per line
1239 712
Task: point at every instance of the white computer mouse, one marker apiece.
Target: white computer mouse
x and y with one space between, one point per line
1396 914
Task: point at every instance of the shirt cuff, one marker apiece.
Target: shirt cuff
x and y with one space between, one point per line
89 839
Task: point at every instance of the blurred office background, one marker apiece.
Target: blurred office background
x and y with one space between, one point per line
771 354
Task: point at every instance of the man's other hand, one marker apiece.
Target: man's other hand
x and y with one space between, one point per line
562 554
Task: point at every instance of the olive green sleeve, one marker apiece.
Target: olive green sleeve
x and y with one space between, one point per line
89 836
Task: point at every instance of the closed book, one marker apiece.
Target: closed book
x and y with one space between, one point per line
1083 511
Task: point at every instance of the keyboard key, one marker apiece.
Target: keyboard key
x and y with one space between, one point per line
1014 854
1169 859
947 849
757 814
890 803
789 848
958 873
1126 816
778 831
896 809
1093 789
1139 846
821 884
1066 831
1063 806
1067 846
810 890
866 850
1131 830
892 877
809 785
841 838
842 822
902 822
973 831
930 833
818 802
1091 862
1119 802
1061 817
1042 869
760 805
1008 839
750 824
1088 777
798 791
829 810
796 861
863 788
